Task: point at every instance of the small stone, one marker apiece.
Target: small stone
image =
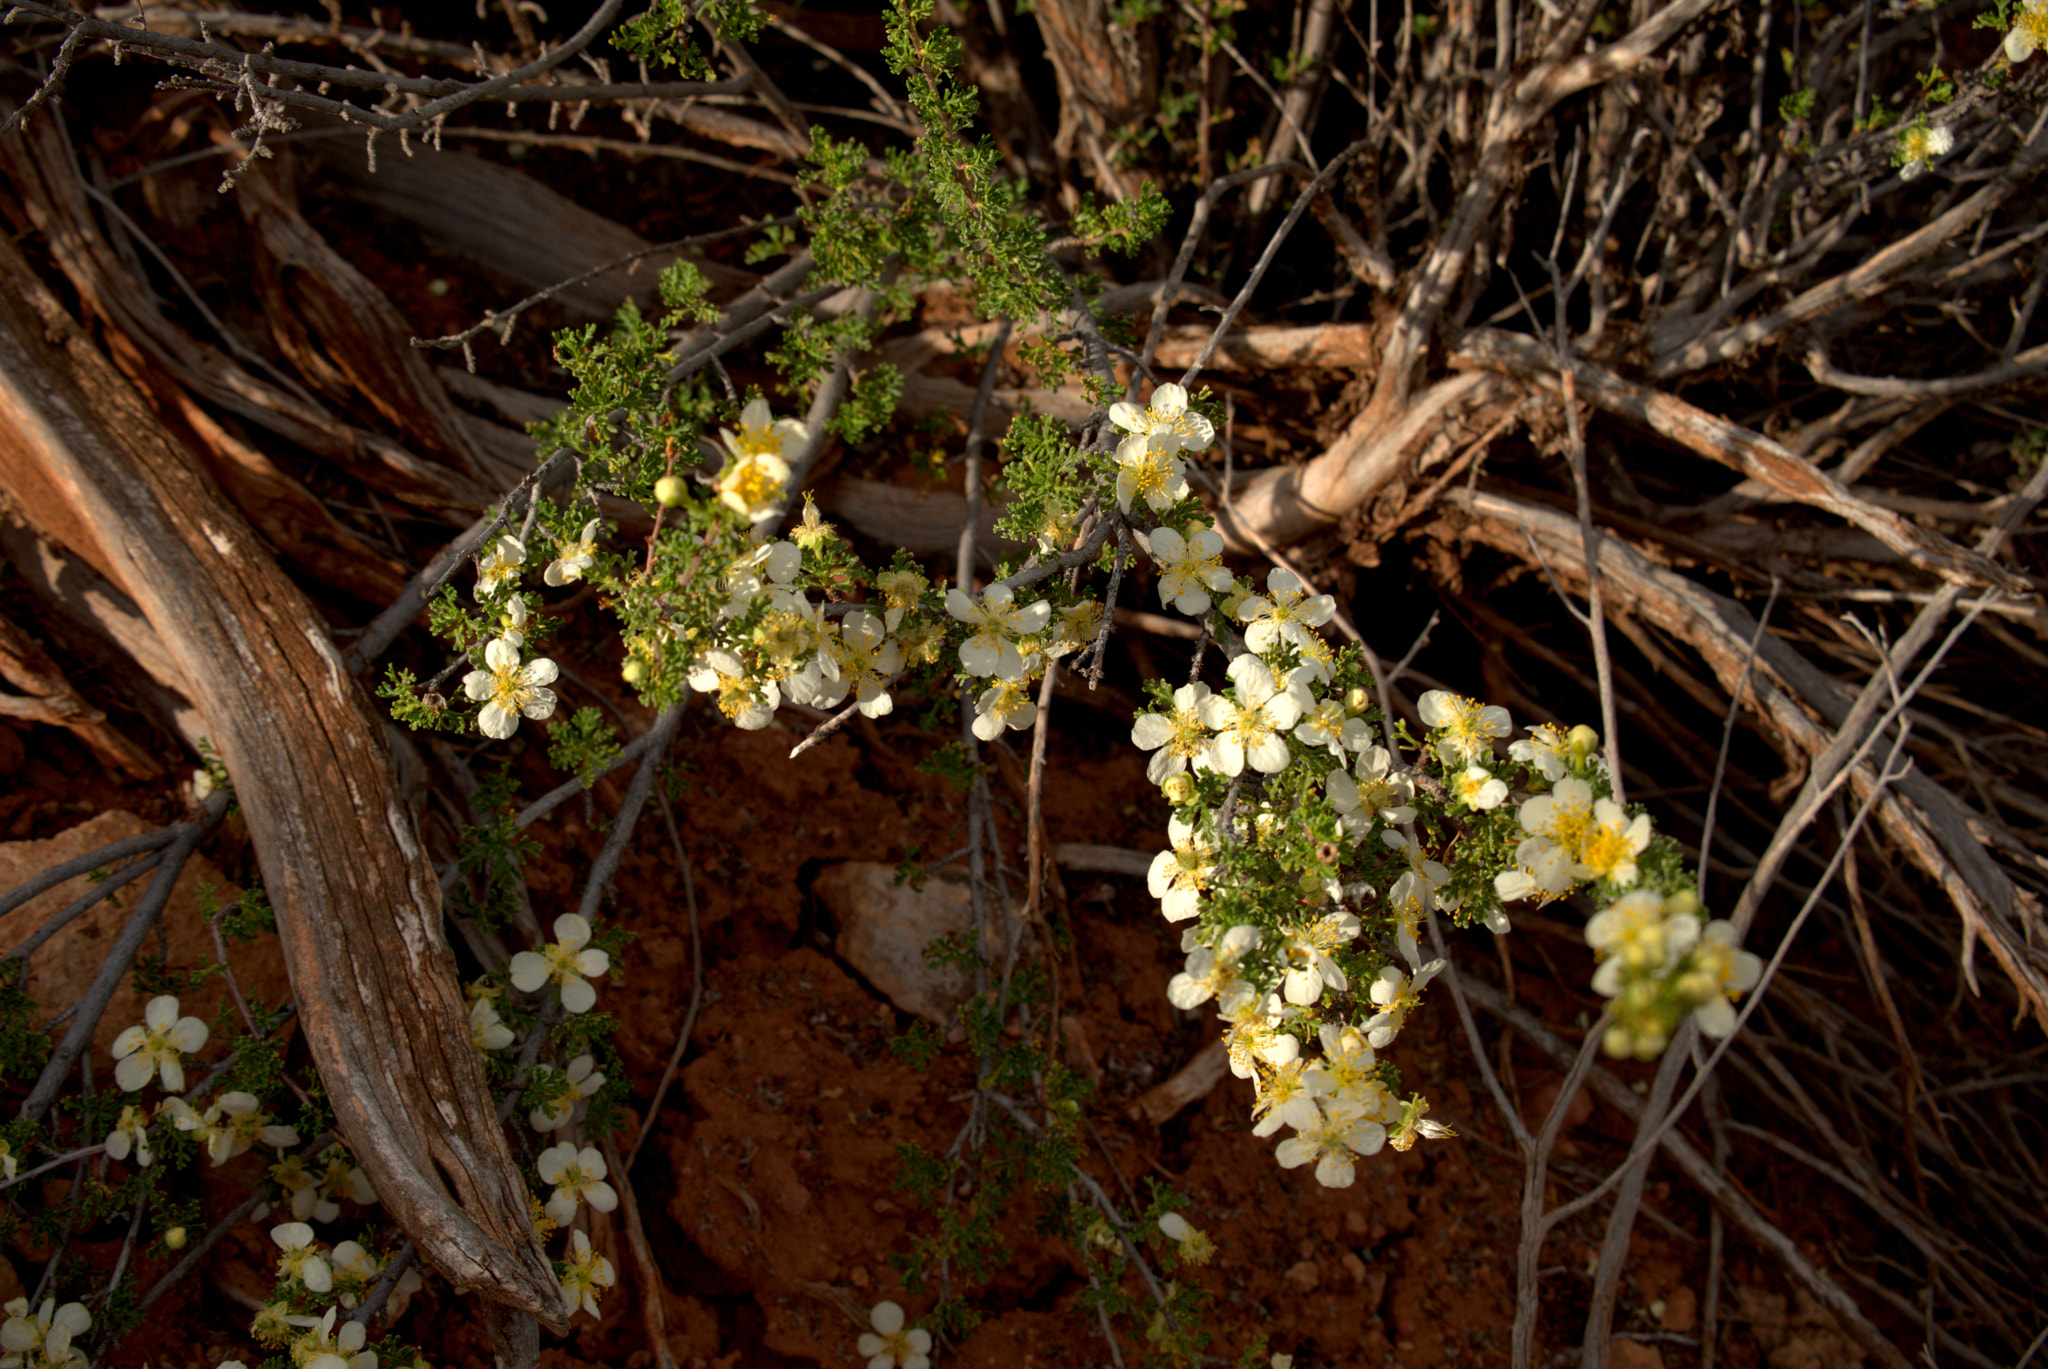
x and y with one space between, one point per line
885 1208
1681 1311
1354 1266
1304 1276
858 1276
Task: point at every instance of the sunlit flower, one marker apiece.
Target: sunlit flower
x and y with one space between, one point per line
1396 995
1479 789
1329 726
1414 894
1285 612
1190 567
1339 1133
1377 794
889 1346
1637 933
583 1082
585 1273
997 623
570 961
1177 739
1178 877
578 1177
752 483
301 1259
1468 727
340 1177
1153 473
1348 1069
748 703
509 690
1415 1125
1214 973
232 1124
512 621
576 556
1252 722
1284 1099
1007 704
1167 423
157 1048
499 564
1305 952
1574 836
901 591
1546 747
1253 1037
867 659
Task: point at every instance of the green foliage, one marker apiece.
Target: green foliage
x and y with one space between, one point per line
953 764
917 1048
1123 227
1046 479
493 851
661 36
584 744
416 708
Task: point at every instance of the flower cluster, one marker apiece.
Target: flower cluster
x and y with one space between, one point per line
44 1340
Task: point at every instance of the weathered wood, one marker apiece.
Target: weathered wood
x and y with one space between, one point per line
84 460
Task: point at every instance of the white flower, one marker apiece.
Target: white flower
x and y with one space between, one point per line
588 1272
1190 567
498 565
1154 472
571 961
1920 145
1718 972
509 690
748 703
487 1031
1284 612
1637 933
1546 747
322 1347
865 658
751 484
1396 995
340 1177
129 1136
1284 1099
1254 1038
889 1346
1177 739
2029 32
1468 726
1339 1132
44 1339
583 1083
1376 795
1306 954
1167 423
231 1125
1006 704
578 1177
1328 725
576 557
1214 973
1349 1070
1252 726
1195 1245
1178 877
997 623
512 622
1573 836
301 1260
357 1271
157 1047
1479 789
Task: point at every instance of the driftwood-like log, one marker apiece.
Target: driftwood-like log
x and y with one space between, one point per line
84 460
47 697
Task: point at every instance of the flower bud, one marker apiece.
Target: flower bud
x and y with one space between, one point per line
174 1239
1178 788
670 490
1357 699
634 672
1618 1041
1583 741
1684 903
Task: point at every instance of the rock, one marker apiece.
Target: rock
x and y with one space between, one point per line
1681 1311
884 928
1633 1354
62 969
